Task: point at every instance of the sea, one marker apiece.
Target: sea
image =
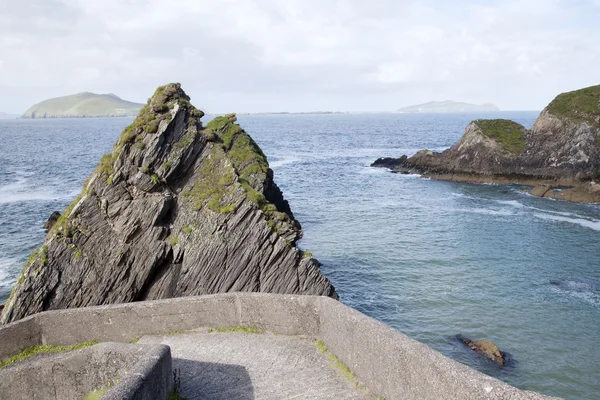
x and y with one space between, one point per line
431 259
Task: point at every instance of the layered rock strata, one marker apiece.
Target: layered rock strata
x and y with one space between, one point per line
176 209
559 155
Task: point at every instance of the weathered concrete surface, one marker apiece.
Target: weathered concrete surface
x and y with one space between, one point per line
223 366
388 362
142 372
397 367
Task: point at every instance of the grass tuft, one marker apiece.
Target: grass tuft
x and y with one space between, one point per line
581 105
508 133
44 349
238 329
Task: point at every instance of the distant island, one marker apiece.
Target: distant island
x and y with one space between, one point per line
448 106
83 105
8 116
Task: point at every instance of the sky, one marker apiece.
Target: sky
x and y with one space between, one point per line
300 55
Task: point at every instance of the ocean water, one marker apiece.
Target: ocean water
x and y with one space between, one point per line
432 259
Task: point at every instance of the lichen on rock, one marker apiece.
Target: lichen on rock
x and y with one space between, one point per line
176 209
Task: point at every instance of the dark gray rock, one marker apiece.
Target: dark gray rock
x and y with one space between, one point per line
176 209
51 220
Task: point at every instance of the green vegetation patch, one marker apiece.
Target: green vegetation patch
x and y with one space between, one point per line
215 182
96 394
238 329
508 133
44 349
39 254
306 254
172 240
580 105
340 366
247 158
175 396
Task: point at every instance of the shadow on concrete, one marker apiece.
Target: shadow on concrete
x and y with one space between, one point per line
213 381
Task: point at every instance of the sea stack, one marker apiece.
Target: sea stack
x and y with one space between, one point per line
177 209
559 155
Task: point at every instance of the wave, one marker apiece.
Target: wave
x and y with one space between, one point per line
20 191
586 289
485 211
283 161
586 223
464 196
6 264
512 203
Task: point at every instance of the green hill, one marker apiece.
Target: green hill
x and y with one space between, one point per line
83 105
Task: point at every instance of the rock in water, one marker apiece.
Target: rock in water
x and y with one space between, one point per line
485 348
177 209
51 220
560 152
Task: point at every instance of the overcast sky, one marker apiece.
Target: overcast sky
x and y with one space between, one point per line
300 55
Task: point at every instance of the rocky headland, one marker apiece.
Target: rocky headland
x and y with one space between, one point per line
559 156
177 209
83 105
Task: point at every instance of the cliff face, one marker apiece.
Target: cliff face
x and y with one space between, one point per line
562 148
176 209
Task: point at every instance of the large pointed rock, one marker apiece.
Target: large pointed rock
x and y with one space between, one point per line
177 209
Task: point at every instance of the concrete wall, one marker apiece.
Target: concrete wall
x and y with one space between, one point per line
142 370
388 362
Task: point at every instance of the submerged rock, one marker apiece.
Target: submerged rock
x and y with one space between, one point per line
177 209
561 150
485 348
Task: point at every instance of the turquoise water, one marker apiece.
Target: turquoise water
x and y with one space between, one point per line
432 259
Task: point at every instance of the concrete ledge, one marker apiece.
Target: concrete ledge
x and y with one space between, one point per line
149 379
391 364
142 370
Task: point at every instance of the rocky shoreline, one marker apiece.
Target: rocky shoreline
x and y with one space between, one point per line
559 157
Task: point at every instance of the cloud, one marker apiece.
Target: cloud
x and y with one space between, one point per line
300 54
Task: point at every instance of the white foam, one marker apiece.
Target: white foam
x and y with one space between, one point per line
464 196
512 203
5 265
366 170
283 161
20 191
485 211
587 223
585 296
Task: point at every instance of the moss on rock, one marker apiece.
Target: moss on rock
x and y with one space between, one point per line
581 105
248 159
213 186
508 133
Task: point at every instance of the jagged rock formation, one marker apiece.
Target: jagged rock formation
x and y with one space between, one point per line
560 154
176 209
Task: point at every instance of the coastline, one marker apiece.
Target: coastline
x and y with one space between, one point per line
551 188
